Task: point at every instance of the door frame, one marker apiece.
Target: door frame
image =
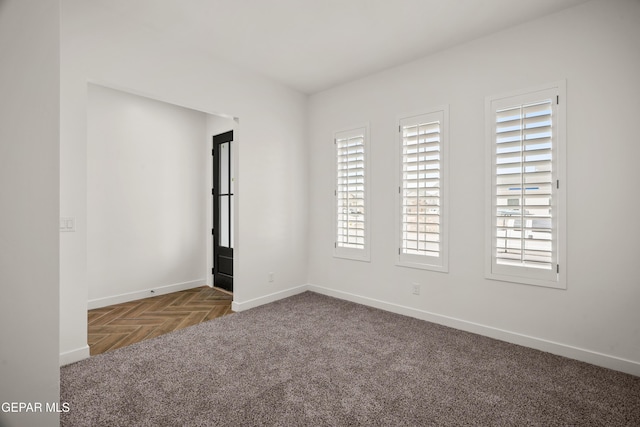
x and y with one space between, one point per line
209 197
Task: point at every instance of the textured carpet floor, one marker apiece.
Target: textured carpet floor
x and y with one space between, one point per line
315 360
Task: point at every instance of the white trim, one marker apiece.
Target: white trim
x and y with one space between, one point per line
151 292
73 356
440 264
576 353
266 299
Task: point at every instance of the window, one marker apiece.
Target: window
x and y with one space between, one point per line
525 153
351 194
422 191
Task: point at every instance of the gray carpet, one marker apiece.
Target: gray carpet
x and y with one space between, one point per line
315 360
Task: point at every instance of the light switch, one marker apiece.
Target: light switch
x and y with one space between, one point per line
67 224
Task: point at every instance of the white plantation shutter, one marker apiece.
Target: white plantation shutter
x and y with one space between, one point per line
523 189
422 222
351 194
524 149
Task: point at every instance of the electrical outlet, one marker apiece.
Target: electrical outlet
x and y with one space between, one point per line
271 277
415 288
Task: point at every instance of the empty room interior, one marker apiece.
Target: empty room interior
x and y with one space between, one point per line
375 161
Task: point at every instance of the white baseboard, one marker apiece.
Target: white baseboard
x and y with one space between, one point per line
245 305
588 356
73 356
146 293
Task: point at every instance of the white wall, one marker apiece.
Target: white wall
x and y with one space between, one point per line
596 48
29 171
272 159
146 197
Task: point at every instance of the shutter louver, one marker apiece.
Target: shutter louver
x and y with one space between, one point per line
350 191
523 186
421 188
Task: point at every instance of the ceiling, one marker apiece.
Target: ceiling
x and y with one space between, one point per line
312 45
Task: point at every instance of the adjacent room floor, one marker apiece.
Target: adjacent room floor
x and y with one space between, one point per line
123 324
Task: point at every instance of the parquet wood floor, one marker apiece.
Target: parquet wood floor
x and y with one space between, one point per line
123 324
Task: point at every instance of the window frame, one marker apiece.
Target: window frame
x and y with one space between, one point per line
555 277
356 254
425 262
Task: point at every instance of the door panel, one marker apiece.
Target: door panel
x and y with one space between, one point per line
223 210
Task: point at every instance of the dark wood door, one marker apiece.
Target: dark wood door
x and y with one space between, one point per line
223 188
